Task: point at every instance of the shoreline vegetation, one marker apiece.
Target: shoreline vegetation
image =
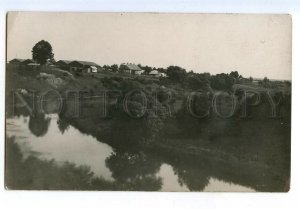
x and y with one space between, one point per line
244 147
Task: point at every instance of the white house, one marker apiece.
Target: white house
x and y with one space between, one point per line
157 74
92 69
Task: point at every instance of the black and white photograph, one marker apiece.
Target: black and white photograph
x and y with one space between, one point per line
167 102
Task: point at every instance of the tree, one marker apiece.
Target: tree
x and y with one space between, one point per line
42 52
234 74
197 82
176 73
223 82
146 68
114 68
123 68
266 80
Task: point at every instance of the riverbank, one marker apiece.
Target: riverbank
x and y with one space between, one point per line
240 148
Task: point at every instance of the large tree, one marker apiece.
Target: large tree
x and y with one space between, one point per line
176 73
42 52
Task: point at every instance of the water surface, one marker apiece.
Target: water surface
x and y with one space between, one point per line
50 138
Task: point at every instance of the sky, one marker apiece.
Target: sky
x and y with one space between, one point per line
254 45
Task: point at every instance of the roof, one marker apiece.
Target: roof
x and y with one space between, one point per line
33 64
65 61
20 60
154 72
85 63
132 66
94 67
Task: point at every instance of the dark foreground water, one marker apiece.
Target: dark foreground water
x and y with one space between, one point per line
67 144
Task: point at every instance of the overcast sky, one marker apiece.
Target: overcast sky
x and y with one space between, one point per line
254 45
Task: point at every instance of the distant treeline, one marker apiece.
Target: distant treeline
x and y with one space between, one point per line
196 81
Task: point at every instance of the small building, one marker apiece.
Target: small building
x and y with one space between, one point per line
93 69
63 64
131 69
33 65
140 72
157 74
20 62
83 66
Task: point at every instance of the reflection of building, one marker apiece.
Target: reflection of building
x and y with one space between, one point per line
83 66
131 69
157 74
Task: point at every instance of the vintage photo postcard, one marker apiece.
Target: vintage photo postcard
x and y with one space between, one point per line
148 102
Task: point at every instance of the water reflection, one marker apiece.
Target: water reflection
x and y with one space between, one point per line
216 185
38 124
195 179
136 170
62 125
49 141
60 143
170 179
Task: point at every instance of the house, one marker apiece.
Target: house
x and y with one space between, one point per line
63 64
20 62
131 69
93 69
157 74
83 66
140 72
33 65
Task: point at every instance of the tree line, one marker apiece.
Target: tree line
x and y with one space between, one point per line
42 53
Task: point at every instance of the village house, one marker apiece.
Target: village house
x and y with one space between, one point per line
83 66
24 63
63 64
131 69
20 62
157 74
33 65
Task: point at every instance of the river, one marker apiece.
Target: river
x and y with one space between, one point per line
64 143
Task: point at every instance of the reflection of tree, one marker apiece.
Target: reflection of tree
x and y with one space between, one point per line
136 115
38 125
195 178
193 115
196 172
134 171
62 125
22 173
